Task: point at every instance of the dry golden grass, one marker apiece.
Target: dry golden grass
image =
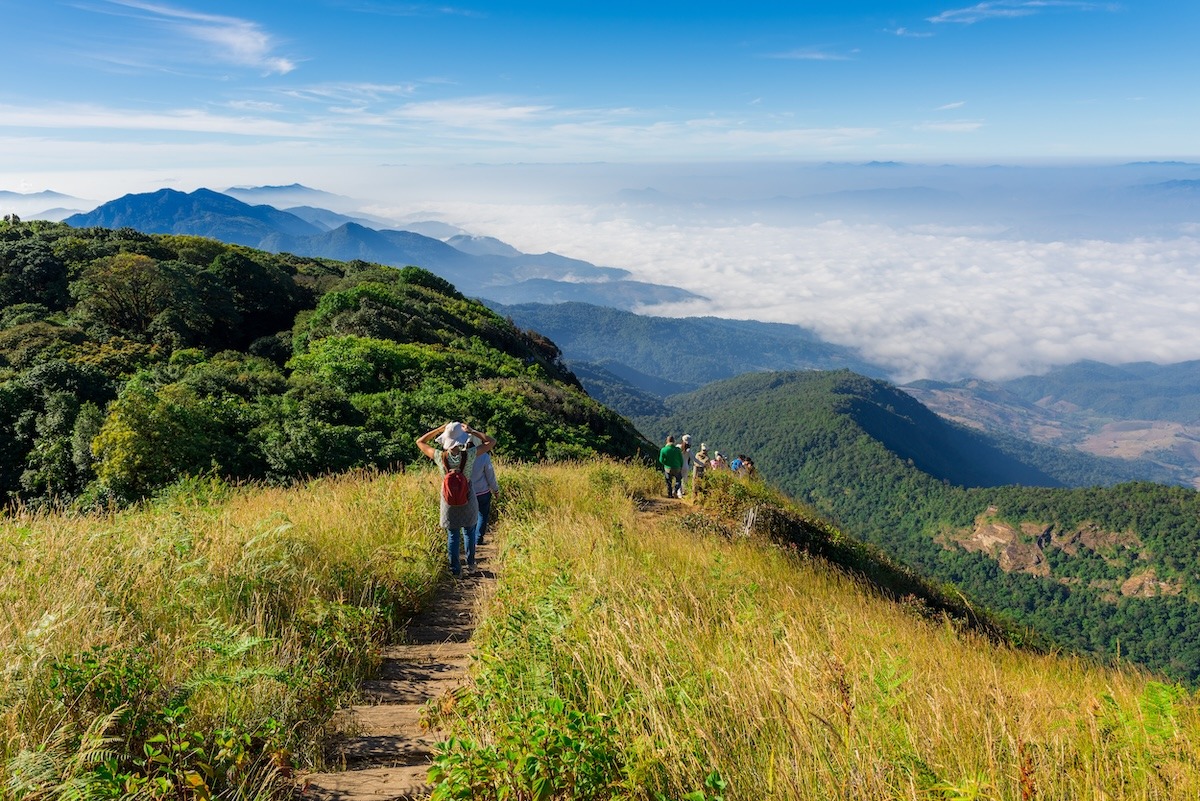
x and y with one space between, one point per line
795 681
252 604
786 676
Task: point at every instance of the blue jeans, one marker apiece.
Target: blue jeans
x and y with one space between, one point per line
453 542
674 478
485 509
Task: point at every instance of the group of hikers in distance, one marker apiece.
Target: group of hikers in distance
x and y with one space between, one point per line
463 455
678 461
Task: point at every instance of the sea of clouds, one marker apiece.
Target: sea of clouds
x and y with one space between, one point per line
941 272
923 301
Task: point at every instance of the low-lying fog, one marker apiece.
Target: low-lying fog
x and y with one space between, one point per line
941 272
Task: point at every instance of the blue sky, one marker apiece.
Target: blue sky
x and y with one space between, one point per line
184 86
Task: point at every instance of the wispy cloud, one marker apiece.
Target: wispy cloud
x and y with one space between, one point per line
229 40
72 117
1008 9
950 126
405 9
813 54
949 106
905 32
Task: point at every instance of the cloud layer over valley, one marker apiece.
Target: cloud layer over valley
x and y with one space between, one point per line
923 296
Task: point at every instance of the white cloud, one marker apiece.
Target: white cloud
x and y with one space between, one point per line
905 32
74 117
943 304
1007 9
949 106
952 126
812 54
231 40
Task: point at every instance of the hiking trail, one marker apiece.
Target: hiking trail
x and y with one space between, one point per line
384 749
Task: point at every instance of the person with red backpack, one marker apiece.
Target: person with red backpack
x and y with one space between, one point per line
458 445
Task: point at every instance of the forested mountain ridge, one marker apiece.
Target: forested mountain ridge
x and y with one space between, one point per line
1138 411
502 275
670 355
1108 570
128 360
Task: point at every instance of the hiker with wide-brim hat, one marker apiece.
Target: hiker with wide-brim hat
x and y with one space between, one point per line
458 445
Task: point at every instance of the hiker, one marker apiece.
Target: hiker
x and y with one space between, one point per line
459 511
717 462
699 465
688 460
736 464
748 467
671 459
483 484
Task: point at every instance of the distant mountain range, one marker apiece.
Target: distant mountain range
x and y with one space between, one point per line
478 266
1145 414
1139 411
670 355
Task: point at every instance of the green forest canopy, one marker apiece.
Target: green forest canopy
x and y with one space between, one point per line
128 360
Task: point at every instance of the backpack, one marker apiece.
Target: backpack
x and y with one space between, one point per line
456 488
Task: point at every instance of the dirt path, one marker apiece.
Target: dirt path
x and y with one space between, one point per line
385 751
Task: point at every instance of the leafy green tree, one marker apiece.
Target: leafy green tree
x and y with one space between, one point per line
142 298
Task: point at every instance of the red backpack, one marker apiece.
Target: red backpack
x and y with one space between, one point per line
456 488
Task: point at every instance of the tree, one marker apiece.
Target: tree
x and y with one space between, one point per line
140 297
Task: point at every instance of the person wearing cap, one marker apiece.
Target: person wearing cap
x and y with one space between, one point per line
458 446
699 465
685 447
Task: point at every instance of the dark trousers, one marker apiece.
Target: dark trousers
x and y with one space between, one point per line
485 509
674 478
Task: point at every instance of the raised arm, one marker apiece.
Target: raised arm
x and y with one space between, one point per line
486 443
424 439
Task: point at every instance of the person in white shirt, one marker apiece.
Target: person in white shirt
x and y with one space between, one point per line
483 484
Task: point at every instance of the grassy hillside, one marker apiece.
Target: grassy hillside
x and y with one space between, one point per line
201 643
650 652
127 360
1107 570
634 648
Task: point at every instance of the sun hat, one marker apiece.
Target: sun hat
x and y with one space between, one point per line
687 438
454 435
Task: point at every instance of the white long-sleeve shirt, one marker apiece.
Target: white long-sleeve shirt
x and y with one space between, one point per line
483 475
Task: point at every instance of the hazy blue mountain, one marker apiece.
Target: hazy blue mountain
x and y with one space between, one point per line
687 352
39 197
328 220
1138 390
482 245
291 195
620 295
511 278
45 205
199 213
1146 413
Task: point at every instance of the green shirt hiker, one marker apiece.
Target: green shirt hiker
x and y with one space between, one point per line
671 459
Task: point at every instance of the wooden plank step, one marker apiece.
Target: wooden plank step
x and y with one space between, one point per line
370 784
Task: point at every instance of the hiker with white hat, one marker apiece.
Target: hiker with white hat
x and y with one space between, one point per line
685 445
459 446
